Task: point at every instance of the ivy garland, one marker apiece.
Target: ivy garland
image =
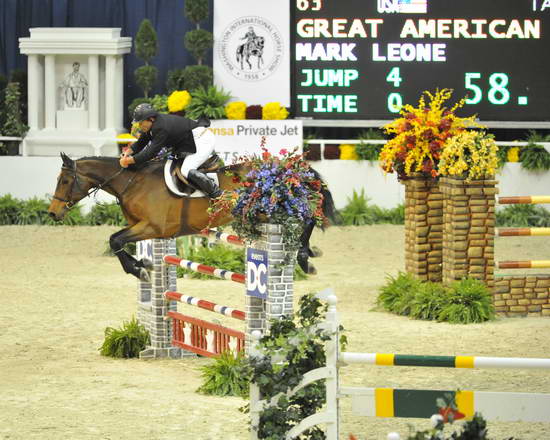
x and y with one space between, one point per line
292 348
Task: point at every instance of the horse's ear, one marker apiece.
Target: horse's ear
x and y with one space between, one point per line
67 161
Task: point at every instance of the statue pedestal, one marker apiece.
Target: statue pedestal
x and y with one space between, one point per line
72 119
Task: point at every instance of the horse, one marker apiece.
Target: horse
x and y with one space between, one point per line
251 48
150 209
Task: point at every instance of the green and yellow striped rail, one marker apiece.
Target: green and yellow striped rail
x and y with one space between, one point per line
411 360
390 402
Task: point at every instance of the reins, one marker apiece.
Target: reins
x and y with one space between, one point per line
70 203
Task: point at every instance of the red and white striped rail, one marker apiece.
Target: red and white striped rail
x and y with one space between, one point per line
222 236
202 268
204 304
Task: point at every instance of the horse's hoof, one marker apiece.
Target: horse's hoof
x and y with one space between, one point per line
311 270
144 275
146 263
315 252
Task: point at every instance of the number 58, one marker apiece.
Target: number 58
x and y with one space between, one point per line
498 93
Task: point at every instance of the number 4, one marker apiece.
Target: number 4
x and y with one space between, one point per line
394 76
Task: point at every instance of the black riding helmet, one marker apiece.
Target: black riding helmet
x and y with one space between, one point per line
142 112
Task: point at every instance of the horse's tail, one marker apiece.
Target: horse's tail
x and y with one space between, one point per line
329 209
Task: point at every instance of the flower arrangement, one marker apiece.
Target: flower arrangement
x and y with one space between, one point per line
512 154
347 152
235 110
421 134
253 112
273 110
178 100
470 153
282 190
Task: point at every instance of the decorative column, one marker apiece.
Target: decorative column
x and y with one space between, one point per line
50 88
93 92
423 228
110 92
278 299
152 313
468 236
35 91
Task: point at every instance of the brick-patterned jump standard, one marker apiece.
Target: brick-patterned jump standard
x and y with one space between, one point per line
157 300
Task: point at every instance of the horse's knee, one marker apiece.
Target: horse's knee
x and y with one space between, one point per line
116 243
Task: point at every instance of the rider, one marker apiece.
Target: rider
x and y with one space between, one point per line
250 35
182 135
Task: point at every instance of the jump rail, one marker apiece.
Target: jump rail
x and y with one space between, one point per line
202 268
204 304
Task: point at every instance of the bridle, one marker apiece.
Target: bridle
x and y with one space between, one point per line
69 202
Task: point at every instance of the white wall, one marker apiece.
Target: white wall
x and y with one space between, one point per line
33 176
26 177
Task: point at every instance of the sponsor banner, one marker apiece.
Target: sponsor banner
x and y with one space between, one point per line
256 273
236 138
252 50
403 6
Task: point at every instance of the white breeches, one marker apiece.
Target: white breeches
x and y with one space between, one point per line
205 141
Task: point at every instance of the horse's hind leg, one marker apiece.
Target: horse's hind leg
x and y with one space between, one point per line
305 252
130 265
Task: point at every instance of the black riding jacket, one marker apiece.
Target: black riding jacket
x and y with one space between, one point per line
171 131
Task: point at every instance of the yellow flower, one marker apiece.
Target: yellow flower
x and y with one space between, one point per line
347 152
235 110
471 154
513 154
273 110
178 100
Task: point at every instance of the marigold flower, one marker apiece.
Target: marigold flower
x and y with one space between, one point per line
178 100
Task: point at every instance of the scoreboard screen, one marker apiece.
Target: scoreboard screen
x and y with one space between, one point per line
364 59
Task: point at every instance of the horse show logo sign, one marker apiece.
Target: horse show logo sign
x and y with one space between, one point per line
251 48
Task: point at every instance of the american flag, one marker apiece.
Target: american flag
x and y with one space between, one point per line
413 6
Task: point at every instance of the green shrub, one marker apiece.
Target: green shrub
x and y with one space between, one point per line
358 212
207 102
190 78
125 342
160 103
218 255
502 155
523 216
366 151
9 210
106 214
145 77
398 293
534 157
33 212
468 301
196 10
428 301
198 42
226 376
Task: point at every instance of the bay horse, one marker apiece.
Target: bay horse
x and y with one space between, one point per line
150 209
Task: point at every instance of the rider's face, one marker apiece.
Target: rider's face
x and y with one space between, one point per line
145 125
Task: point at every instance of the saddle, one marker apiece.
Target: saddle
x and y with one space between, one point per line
179 185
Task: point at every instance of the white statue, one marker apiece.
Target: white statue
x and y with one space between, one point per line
75 88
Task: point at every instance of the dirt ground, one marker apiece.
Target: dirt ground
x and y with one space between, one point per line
58 293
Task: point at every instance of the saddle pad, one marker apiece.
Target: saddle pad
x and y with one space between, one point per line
172 181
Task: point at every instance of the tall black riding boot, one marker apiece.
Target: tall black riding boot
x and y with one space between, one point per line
204 183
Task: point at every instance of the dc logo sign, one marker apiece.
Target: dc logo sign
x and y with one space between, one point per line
256 273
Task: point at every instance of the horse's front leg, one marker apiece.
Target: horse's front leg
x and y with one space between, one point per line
118 240
305 252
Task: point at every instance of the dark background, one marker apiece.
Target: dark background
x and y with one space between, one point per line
17 16
526 62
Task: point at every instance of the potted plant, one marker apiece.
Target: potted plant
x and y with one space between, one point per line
13 125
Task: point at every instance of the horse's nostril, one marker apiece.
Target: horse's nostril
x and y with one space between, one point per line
51 214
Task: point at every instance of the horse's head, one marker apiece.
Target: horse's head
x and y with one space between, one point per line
70 189
259 42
